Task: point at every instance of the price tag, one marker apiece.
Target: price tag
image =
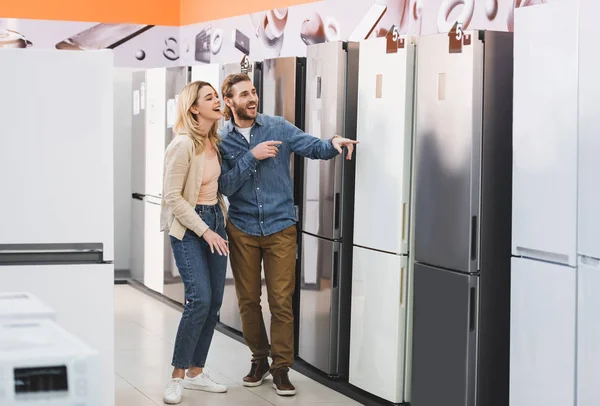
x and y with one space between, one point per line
245 65
457 38
393 41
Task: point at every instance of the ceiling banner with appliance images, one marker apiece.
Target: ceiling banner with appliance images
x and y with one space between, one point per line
277 32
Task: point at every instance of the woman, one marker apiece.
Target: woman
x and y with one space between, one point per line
194 213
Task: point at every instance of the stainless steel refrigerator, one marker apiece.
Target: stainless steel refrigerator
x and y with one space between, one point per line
463 220
281 83
229 314
327 219
283 94
380 322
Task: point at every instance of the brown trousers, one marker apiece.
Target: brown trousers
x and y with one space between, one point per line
278 254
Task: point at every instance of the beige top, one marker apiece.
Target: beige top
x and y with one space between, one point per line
210 179
182 180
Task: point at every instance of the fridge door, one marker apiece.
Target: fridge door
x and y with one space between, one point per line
542 330
378 323
325 105
279 88
445 337
545 134
283 88
589 126
154 245
173 288
588 332
319 315
56 170
385 133
138 174
448 156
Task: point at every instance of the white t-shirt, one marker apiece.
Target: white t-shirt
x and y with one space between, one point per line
245 132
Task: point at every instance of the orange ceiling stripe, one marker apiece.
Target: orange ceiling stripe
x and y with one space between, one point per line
197 11
154 12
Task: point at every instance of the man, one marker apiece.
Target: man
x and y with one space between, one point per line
255 175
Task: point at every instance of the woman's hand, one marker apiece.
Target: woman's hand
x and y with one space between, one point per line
215 242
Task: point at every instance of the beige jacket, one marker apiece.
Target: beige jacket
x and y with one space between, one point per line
182 177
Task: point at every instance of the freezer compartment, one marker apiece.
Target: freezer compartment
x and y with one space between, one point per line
378 323
448 153
82 295
385 117
588 332
319 335
545 133
542 351
154 246
445 337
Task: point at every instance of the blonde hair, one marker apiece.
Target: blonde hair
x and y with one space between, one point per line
187 124
227 91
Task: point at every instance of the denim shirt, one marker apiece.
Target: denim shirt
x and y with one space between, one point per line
260 193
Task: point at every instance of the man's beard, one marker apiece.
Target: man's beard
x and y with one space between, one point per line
240 112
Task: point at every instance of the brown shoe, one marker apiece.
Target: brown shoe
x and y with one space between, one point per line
282 384
258 371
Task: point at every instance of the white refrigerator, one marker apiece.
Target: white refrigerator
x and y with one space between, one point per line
56 166
380 309
545 199
588 233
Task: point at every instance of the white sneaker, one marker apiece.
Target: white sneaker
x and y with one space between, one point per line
204 383
173 391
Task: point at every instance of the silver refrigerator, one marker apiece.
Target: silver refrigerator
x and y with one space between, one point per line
463 205
282 85
283 94
327 210
229 315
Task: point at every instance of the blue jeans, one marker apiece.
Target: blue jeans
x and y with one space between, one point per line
203 276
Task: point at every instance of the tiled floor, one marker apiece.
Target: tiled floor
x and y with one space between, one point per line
145 332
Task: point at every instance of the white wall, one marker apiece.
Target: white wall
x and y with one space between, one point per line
122 170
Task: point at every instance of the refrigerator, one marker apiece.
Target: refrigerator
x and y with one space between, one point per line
152 132
281 84
229 315
379 320
588 234
283 94
555 332
327 210
463 175
56 161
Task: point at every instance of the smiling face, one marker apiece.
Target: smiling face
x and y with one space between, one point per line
207 105
244 101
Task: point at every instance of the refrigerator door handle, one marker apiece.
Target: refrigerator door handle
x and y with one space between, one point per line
402 300
474 238
336 261
337 211
404 218
472 310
